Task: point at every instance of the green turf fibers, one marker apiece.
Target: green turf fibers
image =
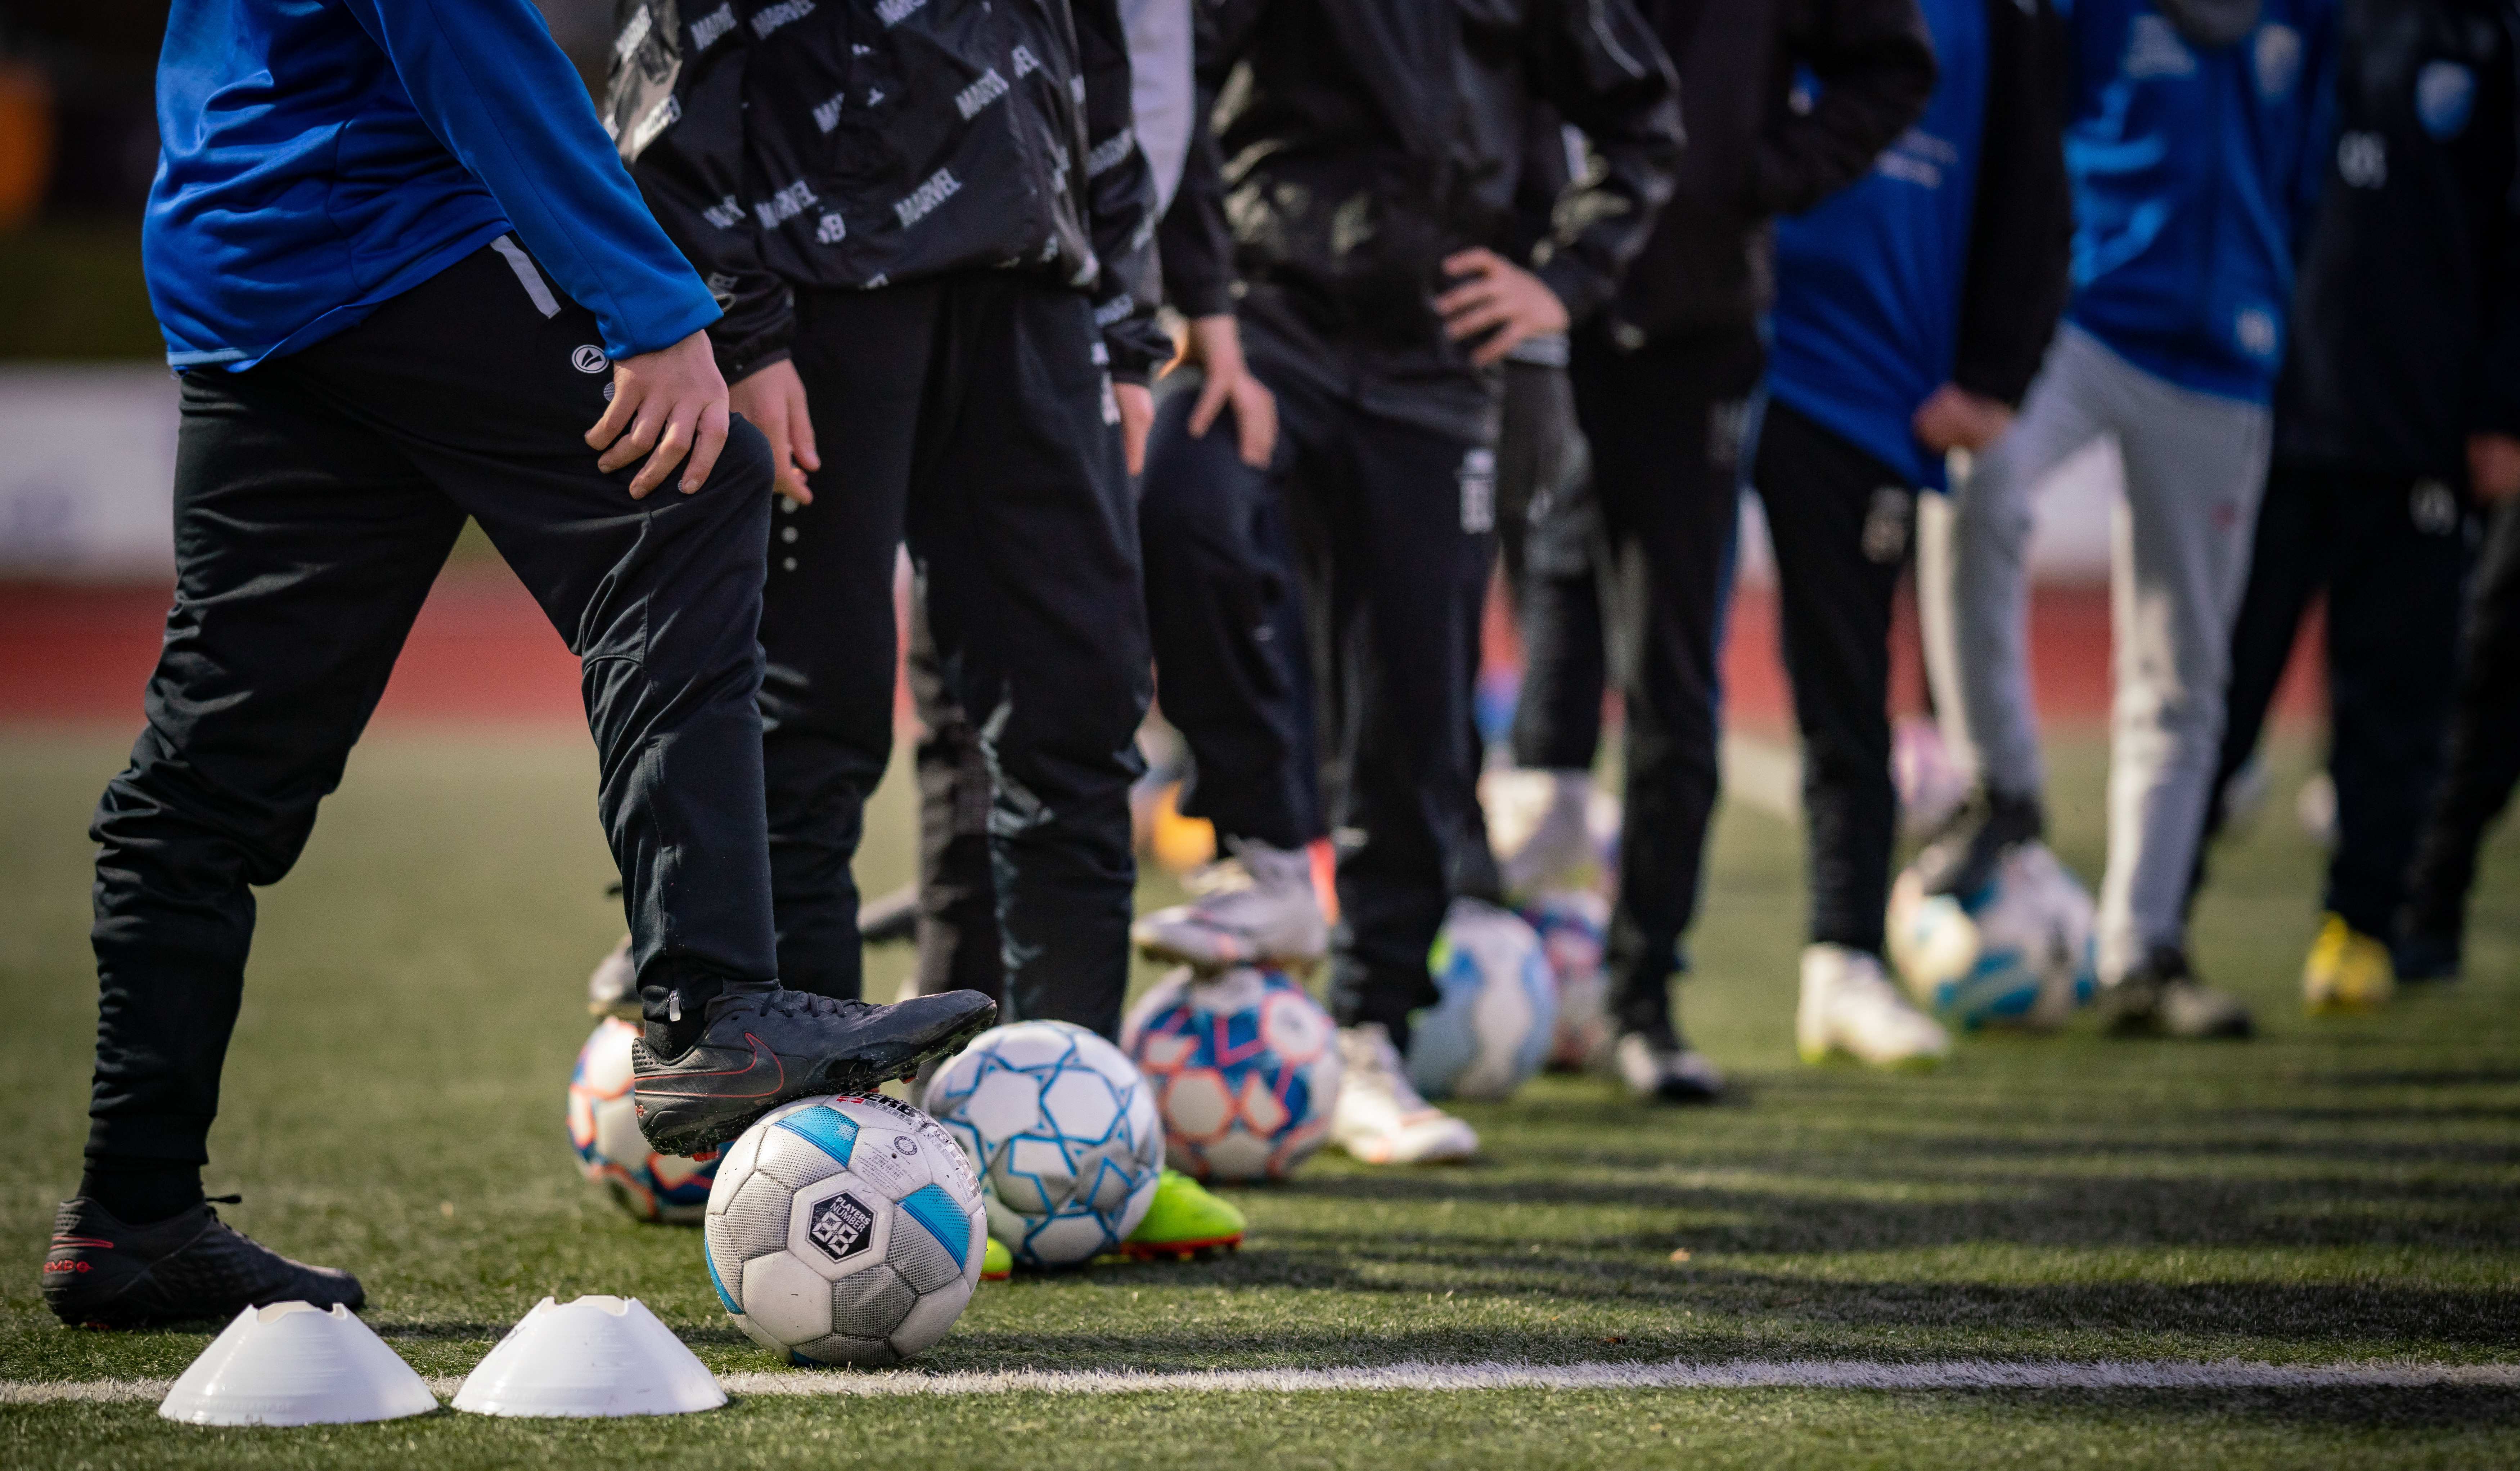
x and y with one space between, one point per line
2337 1190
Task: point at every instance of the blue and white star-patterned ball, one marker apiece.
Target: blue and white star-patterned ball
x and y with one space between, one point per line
1064 1134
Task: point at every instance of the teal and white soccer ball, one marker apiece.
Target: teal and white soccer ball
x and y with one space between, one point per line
1064 1133
2017 954
1497 1015
845 1230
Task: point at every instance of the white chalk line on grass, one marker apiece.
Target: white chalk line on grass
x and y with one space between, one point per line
1415 1377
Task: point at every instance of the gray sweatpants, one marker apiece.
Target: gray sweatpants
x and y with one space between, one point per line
2195 465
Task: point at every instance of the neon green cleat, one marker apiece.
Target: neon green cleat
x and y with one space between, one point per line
997 1264
1184 1221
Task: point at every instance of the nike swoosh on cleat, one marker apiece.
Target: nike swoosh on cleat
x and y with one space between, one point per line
762 1061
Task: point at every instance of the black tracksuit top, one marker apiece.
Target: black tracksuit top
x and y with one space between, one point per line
854 144
2406 334
1364 141
1752 154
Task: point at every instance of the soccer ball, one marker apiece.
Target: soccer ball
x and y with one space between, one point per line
603 1125
845 1230
1063 1132
1498 1011
1245 1068
1574 926
2016 955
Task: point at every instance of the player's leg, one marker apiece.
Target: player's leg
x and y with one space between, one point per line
2483 764
1406 522
1663 424
1840 521
1227 622
660 599
1982 689
1026 537
958 896
2393 615
828 629
2292 552
306 543
2195 468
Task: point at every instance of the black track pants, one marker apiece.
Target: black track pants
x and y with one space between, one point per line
1840 521
2483 760
316 496
2390 555
970 415
1227 621
1664 426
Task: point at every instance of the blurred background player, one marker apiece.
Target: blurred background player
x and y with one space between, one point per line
2196 137
1663 381
1911 309
2483 760
359 376
965 311
2403 373
1374 148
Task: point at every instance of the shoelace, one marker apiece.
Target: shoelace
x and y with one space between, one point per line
787 1002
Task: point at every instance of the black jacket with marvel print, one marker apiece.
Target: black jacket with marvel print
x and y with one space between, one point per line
854 144
1364 141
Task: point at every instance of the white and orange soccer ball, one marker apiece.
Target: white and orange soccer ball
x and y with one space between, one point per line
603 1129
1245 1068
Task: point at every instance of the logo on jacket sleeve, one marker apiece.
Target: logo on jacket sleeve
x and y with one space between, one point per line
589 358
2445 93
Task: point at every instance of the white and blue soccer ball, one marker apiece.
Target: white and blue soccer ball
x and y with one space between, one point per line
604 1130
845 1231
2016 955
1063 1132
1245 1068
1496 1013
1574 928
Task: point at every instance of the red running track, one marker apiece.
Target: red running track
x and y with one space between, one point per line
481 651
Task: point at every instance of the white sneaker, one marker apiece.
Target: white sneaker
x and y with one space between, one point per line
1849 1006
1256 907
1380 1118
613 989
1538 823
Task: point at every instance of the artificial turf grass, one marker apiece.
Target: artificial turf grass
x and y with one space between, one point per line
2336 1190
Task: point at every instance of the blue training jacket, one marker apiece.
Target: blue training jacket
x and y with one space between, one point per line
1867 310
320 156
2193 172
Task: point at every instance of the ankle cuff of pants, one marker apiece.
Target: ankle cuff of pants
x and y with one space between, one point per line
149 1141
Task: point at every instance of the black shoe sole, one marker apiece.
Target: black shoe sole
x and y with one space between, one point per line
689 1127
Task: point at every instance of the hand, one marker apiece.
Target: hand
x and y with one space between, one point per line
1499 296
1953 418
1216 348
671 401
2493 467
1136 415
774 399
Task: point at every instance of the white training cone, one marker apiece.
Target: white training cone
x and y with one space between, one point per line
294 1363
599 1356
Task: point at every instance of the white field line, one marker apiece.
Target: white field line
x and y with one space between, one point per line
1413 1377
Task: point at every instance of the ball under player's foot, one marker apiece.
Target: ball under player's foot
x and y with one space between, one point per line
1380 1117
1850 1008
997 1264
759 1049
1966 854
1659 1067
2162 998
1256 907
191 1266
2347 971
1184 1219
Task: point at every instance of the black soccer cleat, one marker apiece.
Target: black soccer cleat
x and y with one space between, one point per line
760 1049
104 1274
1962 857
